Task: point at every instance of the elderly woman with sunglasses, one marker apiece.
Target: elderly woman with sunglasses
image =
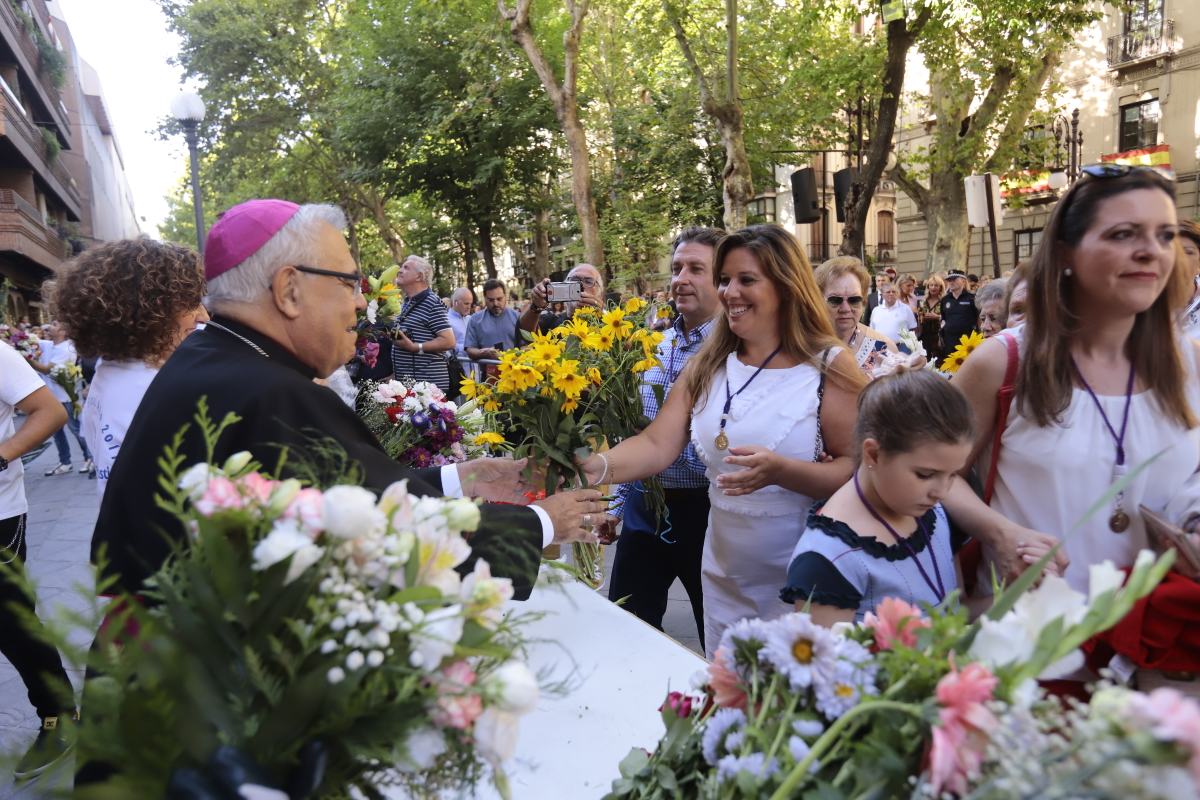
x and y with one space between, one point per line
1105 386
843 281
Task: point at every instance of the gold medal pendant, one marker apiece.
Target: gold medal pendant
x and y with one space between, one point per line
722 441
1119 521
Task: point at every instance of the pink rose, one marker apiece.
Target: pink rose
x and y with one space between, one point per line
895 621
1170 716
962 733
678 702
724 681
308 509
457 706
257 488
219 495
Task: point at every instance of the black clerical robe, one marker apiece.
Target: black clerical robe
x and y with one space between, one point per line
280 407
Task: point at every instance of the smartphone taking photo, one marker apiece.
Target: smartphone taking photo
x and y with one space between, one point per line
565 292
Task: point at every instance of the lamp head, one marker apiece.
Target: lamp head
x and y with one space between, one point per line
188 108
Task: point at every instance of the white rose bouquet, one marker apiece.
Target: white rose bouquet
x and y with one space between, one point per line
332 639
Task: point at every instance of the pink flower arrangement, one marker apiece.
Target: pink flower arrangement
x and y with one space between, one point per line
257 488
220 494
960 738
726 686
895 621
457 706
1172 717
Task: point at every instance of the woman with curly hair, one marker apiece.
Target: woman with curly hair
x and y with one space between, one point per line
129 303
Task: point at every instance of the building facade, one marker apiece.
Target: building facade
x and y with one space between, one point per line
1134 77
62 185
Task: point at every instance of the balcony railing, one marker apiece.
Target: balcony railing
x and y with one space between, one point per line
31 62
26 137
1141 44
23 231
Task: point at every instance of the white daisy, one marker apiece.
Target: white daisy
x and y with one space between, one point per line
798 648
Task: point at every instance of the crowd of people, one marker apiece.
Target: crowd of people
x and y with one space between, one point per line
796 472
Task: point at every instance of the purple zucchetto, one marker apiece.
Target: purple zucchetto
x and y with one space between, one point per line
242 231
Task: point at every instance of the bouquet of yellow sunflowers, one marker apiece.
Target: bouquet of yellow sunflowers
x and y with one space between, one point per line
966 346
571 389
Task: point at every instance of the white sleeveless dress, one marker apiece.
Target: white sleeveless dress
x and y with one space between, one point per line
750 539
1047 478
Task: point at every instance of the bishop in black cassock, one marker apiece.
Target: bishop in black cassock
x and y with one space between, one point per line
258 361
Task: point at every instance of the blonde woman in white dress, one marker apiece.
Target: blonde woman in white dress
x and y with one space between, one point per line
751 407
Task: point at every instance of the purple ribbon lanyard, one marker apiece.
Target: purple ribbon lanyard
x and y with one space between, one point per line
939 591
1118 438
729 396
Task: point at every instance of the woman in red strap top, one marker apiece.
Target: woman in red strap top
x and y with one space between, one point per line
1105 392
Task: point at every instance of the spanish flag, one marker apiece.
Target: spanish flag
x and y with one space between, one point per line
1158 157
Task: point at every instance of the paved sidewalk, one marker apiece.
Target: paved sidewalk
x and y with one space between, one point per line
62 513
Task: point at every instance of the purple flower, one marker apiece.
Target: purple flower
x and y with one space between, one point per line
420 421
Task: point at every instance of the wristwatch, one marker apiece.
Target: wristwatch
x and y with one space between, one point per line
3 463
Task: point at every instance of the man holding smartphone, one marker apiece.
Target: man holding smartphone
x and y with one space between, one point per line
539 318
495 328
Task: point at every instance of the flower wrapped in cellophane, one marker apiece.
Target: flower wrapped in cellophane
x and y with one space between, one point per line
332 639
417 425
920 703
571 390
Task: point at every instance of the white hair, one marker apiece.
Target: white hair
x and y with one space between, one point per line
422 266
459 293
292 244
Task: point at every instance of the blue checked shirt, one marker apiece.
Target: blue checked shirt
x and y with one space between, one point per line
687 472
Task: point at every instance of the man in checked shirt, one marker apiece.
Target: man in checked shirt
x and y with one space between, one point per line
650 557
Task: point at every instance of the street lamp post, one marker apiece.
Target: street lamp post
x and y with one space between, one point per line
188 109
1066 132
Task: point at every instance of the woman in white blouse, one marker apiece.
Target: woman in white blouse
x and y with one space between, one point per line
129 303
1104 383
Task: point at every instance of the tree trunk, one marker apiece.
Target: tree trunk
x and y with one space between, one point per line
581 186
485 245
948 231
900 37
541 244
468 247
566 108
738 186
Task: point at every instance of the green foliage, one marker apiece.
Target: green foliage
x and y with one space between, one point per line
51 143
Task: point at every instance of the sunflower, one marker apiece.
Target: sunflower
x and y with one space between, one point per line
615 322
634 304
489 438
469 388
645 364
570 405
966 345
568 380
593 375
585 311
600 341
952 362
491 404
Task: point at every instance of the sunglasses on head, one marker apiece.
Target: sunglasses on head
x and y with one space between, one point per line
835 301
1113 170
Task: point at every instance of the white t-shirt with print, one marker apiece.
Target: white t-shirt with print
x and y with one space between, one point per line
18 380
56 354
114 395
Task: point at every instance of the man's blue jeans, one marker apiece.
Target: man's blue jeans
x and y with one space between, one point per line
60 437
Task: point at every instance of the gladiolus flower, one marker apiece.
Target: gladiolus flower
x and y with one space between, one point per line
895 621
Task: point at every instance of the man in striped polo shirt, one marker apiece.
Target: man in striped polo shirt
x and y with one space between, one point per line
422 330
652 554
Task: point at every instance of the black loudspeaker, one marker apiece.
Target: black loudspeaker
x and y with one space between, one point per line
841 189
804 195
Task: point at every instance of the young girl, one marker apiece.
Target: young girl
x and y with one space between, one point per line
885 534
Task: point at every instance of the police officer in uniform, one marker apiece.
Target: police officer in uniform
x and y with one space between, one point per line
959 314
